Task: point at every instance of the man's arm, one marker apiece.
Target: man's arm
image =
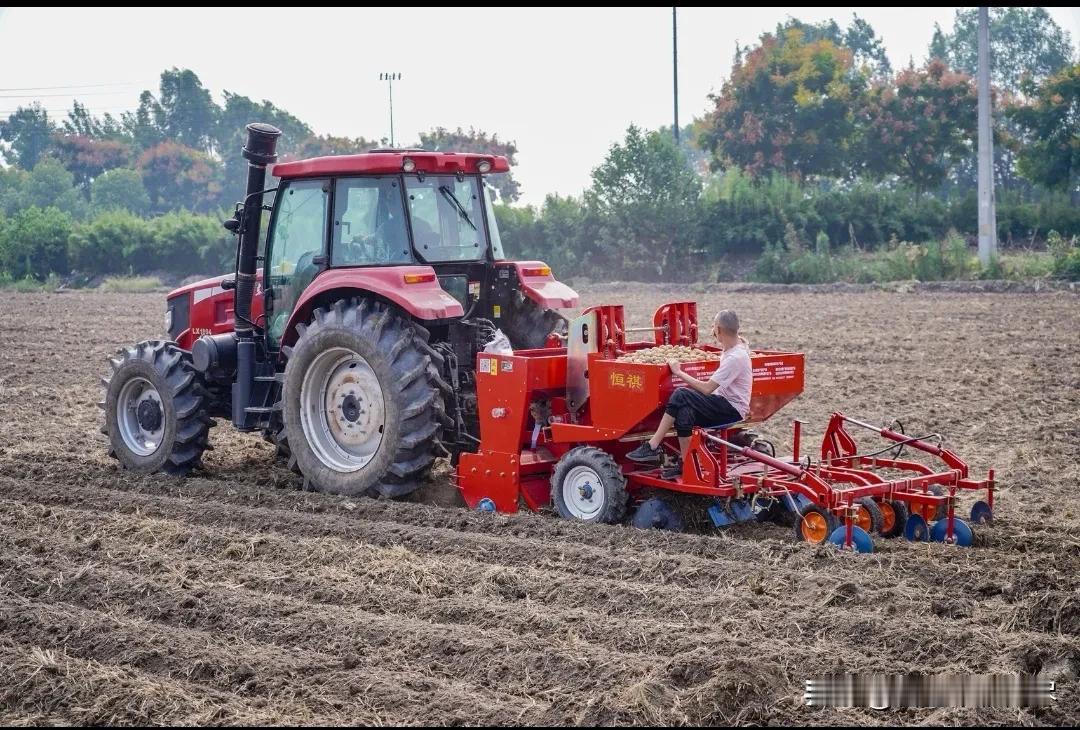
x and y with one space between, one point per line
705 387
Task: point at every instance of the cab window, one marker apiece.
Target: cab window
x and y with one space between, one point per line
297 236
447 217
369 222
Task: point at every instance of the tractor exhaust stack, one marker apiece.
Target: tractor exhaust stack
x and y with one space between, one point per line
260 151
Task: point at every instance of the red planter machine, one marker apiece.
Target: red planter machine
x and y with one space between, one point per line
556 424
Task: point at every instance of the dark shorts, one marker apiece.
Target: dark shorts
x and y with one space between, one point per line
691 408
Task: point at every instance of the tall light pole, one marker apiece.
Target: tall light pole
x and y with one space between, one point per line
390 78
987 213
675 65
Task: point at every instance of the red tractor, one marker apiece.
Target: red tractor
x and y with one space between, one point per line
350 338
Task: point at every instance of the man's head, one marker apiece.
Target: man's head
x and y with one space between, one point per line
726 327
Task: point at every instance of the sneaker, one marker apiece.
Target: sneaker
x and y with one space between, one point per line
644 453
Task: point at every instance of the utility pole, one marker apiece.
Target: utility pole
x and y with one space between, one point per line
390 78
675 65
987 212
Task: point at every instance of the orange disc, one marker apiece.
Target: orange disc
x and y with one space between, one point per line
814 527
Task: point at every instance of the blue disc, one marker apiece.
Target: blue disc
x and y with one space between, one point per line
961 532
860 539
981 514
486 505
915 529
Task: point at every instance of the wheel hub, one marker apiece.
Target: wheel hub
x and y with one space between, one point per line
342 409
149 415
583 492
140 417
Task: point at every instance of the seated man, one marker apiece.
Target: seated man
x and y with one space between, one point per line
723 398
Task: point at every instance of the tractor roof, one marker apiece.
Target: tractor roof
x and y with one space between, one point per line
390 162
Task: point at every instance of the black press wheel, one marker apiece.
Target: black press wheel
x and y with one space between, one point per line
155 409
655 513
588 485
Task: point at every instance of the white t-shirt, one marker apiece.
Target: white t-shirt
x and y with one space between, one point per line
734 378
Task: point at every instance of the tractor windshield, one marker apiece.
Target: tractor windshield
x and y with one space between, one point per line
447 217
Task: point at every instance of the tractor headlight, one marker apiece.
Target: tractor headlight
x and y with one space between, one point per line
484 166
408 165
168 321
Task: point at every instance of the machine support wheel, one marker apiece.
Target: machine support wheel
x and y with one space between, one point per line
869 516
362 401
894 514
528 325
588 485
814 524
155 409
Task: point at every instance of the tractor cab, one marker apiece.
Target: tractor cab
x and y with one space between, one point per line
388 208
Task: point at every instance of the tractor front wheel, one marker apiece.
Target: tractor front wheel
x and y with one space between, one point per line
588 485
362 401
155 409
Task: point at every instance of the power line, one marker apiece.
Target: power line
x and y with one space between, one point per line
45 96
77 86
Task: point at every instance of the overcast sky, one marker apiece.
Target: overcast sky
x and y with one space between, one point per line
563 83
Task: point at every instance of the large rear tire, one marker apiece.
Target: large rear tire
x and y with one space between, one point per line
528 325
363 401
155 409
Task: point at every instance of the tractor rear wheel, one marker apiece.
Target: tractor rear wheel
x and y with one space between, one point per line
155 409
528 325
362 401
588 485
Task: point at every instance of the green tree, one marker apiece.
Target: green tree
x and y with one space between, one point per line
188 113
859 37
920 124
146 125
115 242
28 133
441 139
231 134
33 242
12 182
120 189
1049 124
86 158
326 145
646 197
789 106
191 244
179 177
81 123
1024 41
50 185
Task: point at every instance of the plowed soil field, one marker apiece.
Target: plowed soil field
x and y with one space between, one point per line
234 597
